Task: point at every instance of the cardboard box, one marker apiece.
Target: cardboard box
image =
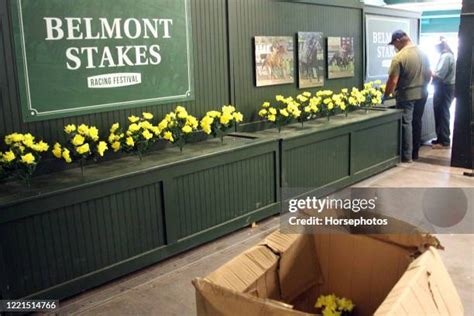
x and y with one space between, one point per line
285 274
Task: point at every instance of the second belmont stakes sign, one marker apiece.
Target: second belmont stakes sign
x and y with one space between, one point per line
85 56
378 34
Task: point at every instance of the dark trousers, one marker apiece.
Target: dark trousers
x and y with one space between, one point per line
442 99
411 127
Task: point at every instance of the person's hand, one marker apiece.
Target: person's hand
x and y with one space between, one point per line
384 97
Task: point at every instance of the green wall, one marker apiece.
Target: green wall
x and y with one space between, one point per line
267 17
223 58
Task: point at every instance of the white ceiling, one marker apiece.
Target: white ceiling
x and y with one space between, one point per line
430 6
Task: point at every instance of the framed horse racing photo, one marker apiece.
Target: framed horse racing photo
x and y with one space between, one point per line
274 60
340 57
311 61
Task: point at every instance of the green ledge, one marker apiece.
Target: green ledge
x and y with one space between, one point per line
106 171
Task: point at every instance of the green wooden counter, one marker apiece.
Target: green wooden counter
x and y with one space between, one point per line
325 156
67 234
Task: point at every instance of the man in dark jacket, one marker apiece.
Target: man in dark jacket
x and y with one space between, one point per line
409 76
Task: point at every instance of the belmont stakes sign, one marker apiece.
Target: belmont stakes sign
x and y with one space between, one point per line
378 34
85 56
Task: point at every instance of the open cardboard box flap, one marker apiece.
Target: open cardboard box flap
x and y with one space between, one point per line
286 273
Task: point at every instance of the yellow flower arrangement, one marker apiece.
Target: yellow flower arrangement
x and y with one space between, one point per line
218 123
137 138
82 144
177 126
342 101
22 156
327 102
283 112
373 92
331 305
309 107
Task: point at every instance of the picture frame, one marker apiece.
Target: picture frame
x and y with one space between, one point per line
340 57
274 60
311 59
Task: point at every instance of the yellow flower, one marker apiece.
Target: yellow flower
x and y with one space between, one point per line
207 120
9 156
213 114
163 124
168 136
147 135
40 147
14 138
266 104
133 119
67 155
302 98
330 106
116 146
93 133
238 117
342 106
129 141
262 112
70 128
271 118
225 118
101 148
284 112
78 140
182 114
57 151
145 125
307 109
83 149
111 138
83 129
344 90
345 304
206 123
192 121
377 82
279 98
179 108
114 127
187 129
272 111
155 130
133 128
307 94
206 129
147 116
28 142
28 159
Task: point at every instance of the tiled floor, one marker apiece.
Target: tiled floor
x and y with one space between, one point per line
165 288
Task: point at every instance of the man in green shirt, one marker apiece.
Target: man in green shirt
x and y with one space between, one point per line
408 79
